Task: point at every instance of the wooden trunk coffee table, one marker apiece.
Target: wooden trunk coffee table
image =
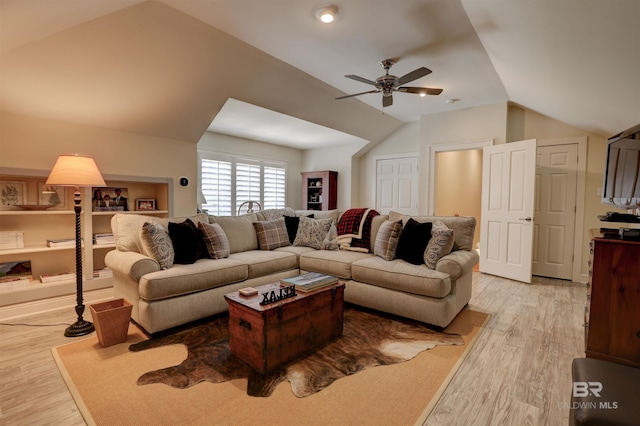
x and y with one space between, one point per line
268 336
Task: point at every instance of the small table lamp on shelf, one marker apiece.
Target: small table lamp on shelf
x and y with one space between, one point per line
72 170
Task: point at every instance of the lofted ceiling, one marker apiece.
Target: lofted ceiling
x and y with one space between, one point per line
167 67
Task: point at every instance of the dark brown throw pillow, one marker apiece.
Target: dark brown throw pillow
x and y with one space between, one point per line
413 241
187 241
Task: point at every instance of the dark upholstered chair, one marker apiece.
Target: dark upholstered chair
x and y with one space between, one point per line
604 393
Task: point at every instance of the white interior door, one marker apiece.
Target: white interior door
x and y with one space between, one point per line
555 208
506 227
397 185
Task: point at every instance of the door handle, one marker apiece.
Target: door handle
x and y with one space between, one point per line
528 218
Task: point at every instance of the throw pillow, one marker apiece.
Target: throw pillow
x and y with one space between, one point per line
216 240
272 234
156 244
186 242
439 245
292 224
312 232
331 240
387 239
413 241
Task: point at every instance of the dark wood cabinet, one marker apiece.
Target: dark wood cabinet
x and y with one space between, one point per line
319 190
613 327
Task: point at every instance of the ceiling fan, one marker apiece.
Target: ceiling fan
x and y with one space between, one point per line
387 84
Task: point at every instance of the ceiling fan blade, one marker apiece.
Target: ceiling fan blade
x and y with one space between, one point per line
357 94
413 75
420 90
387 101
360 79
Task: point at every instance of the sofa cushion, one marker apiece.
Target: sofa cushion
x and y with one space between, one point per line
387 239
272 234
184 279
440 244
320 214
188 245
272 214
463 227
126 228
413 241
312 232
156 244
330 241
402 276
239 231
331 262
216 240
262 263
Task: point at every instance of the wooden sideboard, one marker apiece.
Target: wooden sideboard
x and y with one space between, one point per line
613 327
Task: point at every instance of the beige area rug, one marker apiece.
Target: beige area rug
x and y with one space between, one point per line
103 384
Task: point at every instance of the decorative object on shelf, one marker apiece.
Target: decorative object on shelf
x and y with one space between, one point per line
76 171
12 193
52 196
249 207
145 204
33 207
15 274
110 199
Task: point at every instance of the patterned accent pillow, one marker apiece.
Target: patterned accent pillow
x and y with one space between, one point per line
387 239
439 245
272 234
215 239
156 244
312 232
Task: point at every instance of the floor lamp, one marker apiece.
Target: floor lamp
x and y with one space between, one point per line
72 170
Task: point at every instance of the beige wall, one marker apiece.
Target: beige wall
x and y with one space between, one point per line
461 170
33 143
339 159
231 145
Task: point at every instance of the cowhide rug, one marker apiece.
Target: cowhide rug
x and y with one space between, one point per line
368 339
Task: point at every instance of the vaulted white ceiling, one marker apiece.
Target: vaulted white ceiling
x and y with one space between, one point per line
167 67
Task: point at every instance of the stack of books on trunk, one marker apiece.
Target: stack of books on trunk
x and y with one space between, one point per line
310 281
103 239
58 276
11 240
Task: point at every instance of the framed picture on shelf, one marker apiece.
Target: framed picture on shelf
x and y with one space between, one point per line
145 204
54 196
110 199
12 193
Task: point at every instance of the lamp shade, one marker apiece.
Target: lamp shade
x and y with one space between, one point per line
72 170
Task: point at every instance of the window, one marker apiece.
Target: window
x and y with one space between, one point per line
227 182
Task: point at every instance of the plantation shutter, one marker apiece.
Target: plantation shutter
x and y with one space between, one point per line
274 187
247 183
217 186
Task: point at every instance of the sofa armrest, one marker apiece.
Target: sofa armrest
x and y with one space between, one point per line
130 263
457 262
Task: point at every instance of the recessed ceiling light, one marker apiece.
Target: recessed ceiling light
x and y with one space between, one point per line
327 14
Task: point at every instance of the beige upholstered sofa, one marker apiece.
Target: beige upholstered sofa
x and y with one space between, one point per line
165 298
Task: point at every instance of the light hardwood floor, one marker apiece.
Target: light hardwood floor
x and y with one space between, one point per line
518 372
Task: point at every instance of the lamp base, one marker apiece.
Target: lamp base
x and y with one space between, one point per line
79 328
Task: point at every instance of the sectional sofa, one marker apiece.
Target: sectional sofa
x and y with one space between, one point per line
165 296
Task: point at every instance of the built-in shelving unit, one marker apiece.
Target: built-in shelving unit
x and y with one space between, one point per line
59 222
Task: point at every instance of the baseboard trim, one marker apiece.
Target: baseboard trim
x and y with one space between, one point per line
52 304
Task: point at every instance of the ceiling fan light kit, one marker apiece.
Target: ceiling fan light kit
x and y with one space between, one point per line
387 84
327 14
